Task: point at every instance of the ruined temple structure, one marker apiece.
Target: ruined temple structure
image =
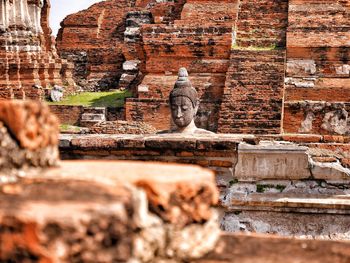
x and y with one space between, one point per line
277 71
102 38
29 64
259 67
130 211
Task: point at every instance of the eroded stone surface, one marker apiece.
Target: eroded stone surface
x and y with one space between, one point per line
31 123
110 211
28 136
269 160
319 117
301 225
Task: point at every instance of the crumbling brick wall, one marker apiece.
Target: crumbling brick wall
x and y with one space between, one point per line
29 64
253 93
318 68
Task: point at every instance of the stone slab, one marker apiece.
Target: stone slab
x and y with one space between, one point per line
291 202
271 161
289 224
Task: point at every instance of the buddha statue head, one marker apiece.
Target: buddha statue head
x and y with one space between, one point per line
184 103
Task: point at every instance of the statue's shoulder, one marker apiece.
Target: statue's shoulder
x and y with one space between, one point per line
203 131
164 132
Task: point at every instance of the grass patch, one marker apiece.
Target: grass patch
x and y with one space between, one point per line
69 128
255 48
96 99
263 188
232 182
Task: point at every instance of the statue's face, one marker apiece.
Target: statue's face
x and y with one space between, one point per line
182 111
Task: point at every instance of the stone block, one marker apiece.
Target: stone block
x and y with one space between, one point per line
142 88
131 65
329 171
279 161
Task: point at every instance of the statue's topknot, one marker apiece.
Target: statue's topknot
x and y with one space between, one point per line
183 87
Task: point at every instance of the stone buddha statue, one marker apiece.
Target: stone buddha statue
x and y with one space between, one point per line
184 105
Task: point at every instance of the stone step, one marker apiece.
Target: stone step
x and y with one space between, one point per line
315 203
298 209
95 110
305 225
93 117
88 124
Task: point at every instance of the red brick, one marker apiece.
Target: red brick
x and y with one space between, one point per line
220 163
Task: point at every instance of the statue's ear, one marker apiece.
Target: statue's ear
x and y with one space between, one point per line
196 108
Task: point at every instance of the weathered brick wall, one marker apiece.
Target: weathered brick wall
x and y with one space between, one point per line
93 39
317 117
199 12
252 100
67 114
27 55
241 91
262 23
156 112
318 68
253 93
71 115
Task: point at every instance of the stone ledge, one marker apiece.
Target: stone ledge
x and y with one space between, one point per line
254 248
308 225
170 141
292 203
303 139
243 157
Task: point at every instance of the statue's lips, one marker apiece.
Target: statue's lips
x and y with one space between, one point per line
180 121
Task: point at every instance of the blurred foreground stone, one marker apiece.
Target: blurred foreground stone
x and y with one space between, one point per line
109 212
29 137
117 211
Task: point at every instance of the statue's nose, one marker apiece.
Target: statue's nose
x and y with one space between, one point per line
179 113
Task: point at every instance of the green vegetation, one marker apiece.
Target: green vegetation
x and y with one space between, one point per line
96 99
69 128
255 48
263 188
232 182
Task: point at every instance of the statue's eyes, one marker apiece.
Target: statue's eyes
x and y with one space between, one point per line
184 108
